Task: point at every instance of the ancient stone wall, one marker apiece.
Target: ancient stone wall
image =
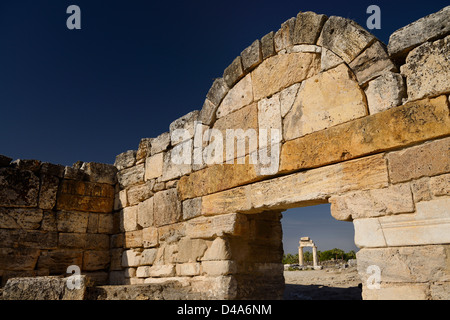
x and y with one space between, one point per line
352 122
52 217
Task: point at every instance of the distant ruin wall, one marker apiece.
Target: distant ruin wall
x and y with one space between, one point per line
357 124
52 217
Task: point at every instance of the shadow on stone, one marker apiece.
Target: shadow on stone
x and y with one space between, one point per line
319 292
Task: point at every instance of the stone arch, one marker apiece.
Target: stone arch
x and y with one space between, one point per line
352 134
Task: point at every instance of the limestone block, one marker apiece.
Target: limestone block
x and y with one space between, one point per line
74 174
131 258
188 269
219 250
385 92
72 240
97 241
406 264
427 28
208 113
57 261
410 291
190 250
267 45
429 225
92 223
100 172
217 91
344 37
150 237
139 193
125 160
133 239
131 176
106 223
427 69
144 150
283 37
94 260
304 48
178 161
160 271
120 200
421 189
192 208
282 71
18 218
234 72
70 221
160 143
251 56
329 60
440 290
48 191
397 127
18 258
185 123
25 164
269 118
18 188
428 159
219 268
371 63
440 185
217 226
85 196
171 233
373 203
130 272
167 207
317 108
129 218
239 96
148 256
287 98
242 123
308 26
145 213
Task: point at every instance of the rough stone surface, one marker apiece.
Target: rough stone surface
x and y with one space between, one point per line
425 29
398 127
239 96
308 26
185 123
208 113
287 98
125 160
344 37
4 161
267 45
145 213
427 69
251 56
282 71
428 159
385 92
178 161
329 60
234 72
18 188
160 143
154 166
317 108
283 37
167 207
372 63
217 91
131 176
144 150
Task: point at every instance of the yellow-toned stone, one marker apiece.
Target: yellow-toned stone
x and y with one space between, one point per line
281 71
398 127
325 100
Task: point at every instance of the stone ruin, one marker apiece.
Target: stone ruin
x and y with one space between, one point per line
307 242
365 127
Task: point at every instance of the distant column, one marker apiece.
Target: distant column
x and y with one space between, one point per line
300 255
315 260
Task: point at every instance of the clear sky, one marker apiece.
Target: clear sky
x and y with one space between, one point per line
135 66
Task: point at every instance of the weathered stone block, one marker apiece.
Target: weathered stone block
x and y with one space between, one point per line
70 221
178 161
283 37
217 91
133 239
208 113
185 123
145 213
329 60
251 56
282 71
18 188
106 223
440 185
72 240
160 143
25 164
219 268
192 208
148 256
372 63
100 172
190 250
139 193
427 69
425 29
385 92
18 258
129 218
4 161
85 196
188 269
120 200
234 72
428 159
48 191
96 260
267 45
144 150
167 207
150 237
398 127
125 160
217 226
219 250
57 261
269 118
344 37
308 26
131 258
239 96
317 108
131 176
20 218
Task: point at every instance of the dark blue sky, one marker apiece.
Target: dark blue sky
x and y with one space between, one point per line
135 66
